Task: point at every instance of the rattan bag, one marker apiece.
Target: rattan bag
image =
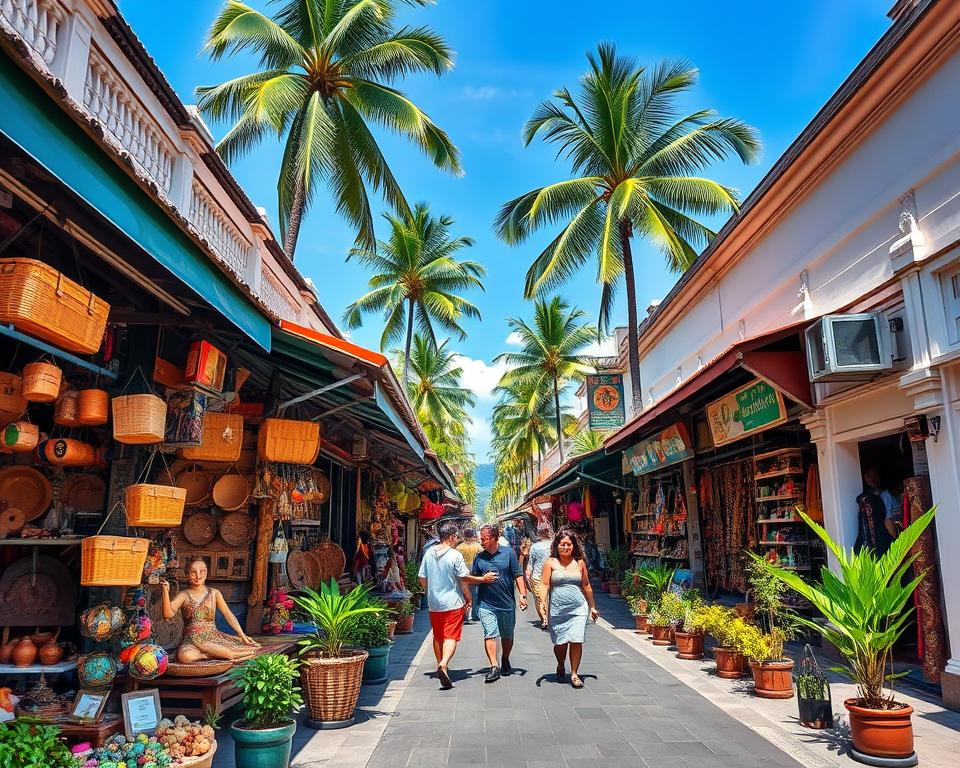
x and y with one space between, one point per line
288 441
222 438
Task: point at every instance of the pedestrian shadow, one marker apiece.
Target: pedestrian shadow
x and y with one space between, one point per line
551 677
457 675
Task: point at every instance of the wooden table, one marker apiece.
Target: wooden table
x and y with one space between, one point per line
96 734
193 696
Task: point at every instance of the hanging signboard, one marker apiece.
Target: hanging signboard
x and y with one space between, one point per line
745 411
668 447
605 401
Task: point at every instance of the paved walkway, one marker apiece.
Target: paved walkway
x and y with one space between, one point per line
631 713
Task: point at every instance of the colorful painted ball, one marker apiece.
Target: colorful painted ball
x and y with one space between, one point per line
148 662
127 653
139 628
101 622
96 670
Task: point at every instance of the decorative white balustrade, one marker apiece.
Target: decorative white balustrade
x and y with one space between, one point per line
126 121
214 226
277 298
37 22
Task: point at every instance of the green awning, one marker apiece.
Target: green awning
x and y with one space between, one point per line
35 123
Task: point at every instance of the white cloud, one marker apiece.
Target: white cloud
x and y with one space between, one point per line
481 92
606 347
479 376
480 435
515 339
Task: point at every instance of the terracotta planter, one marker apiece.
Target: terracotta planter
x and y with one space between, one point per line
886 733
331 688
689 645
614 589
773 679
404 625
641 623
730 663
661 635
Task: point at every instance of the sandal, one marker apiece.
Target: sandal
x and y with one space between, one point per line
575 681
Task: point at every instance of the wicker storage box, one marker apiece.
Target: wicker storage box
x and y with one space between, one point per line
112 561
154 506
222 438
331 687
20 436
138 419
11 394
43 302
93 407
288 441
41 382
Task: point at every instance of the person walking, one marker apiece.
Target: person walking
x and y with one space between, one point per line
570 598
469 548
445 579
498 614
539 552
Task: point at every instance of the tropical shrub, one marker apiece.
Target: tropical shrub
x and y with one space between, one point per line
411 577
334 615
658 580
617 560
370 630
638 605
865 606
673 607
633 583
270 697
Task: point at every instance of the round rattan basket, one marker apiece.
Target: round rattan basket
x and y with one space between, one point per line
200 528
331 688
41 382
198 668
93 407
238 529
231 492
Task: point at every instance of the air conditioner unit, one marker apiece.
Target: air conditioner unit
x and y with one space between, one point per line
849 347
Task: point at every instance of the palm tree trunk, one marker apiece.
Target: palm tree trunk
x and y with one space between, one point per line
296 217
633 341
406 353
556 404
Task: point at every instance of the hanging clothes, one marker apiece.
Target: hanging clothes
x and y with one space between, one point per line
813 502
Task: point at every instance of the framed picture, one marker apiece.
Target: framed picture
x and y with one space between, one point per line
141 712
88 706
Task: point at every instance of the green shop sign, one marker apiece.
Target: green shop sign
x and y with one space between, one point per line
745 411
605 404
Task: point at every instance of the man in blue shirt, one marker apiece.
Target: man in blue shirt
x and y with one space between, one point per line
498 615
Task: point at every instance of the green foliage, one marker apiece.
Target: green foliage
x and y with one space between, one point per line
658 580
370 629
812 687
270 698
673 607
617 560
212 717
586 440
335 616
26 743
721 622
411 577
866 605
405 608
657 617
757 645
638 605
324 76
633 584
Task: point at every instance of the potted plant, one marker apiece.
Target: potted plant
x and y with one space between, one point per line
411 582
330 672
371 633
673 607
27 742
404 613
689 636
617 560
725 624
638 609
658 623
270 699
657 580
866 610
763 645
813 699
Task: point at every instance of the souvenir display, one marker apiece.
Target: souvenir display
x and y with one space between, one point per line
101 622
96 670
142 750
221 438
184 738
148 662
185 414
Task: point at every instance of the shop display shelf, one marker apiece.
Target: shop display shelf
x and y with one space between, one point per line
803 543
782 497
778 452
780 473
63 541
779 521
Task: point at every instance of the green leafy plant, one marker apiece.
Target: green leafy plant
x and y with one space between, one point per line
411 577
334 615
757 645
26 743
657 617
721 622
658 580
865 606
637 604
370 629
695 619
632 584
405 608
812 687
270 698
617 560
212 717
673 607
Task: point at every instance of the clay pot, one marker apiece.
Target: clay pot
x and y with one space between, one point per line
773 679
689 645
24 653
641 621
51 652
614 589
885 733
661 635
404 625
6 651
729 663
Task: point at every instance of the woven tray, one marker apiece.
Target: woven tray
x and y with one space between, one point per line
331 560
198 669
85 493
197 483
200 528
238 529
297 569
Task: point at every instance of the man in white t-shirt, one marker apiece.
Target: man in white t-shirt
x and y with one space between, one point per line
446 580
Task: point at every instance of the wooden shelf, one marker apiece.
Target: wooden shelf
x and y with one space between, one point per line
780 473
669 557
779 452
38 669
780 522
784 497
63 541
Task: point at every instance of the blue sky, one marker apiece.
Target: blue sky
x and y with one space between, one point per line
770 64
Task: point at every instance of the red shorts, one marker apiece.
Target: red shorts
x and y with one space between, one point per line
447 625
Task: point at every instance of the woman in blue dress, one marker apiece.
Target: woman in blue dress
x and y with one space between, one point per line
570 601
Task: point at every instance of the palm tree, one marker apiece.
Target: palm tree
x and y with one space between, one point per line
417 277
324 77
635 160
587 440
550 353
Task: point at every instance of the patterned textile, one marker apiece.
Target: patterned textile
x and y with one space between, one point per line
200 628
728 511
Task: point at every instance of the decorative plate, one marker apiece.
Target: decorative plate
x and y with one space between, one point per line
85 493
26 489
238 529
200 528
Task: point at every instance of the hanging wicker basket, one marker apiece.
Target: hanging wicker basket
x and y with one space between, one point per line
231 492
154 506
43 302
67 452
288 441
196 483
112 561
138 419
66 411
222 438
93 406
21 436
12 400
41 382
331 687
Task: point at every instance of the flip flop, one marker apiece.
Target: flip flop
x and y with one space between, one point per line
575 681
445 682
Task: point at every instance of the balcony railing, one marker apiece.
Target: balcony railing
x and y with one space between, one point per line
221 235
276 297
37 22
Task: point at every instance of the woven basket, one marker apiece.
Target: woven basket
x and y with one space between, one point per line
154 506
67 452
112 561
288 441
43 302
138 419
231 492
222 438
11 394
93 406
66 411
331 687
21 436
41 382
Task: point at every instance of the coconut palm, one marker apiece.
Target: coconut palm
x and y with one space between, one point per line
417 278
586 440
551 351
323 79
636 161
